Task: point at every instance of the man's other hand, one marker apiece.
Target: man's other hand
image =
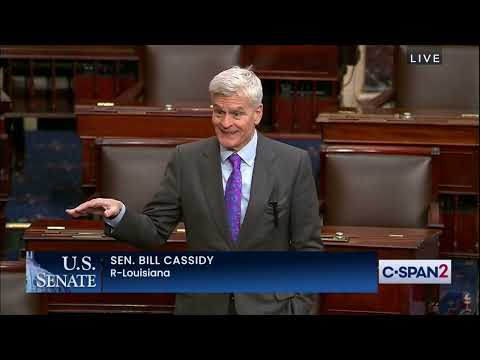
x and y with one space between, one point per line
108 208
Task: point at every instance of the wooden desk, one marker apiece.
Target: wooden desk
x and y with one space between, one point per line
37 240
392 299
455 134
135 122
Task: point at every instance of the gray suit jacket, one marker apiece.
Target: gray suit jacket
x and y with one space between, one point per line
192 192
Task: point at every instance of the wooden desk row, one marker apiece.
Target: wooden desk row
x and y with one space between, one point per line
391 299
454 133
73 74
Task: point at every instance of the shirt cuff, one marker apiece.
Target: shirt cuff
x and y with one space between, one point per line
116 220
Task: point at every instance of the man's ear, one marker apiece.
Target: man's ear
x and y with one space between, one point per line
258 114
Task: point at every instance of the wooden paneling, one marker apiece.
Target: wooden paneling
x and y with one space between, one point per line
55 77
71 52
459 169
143 121
148 125
407 134
300 62
284 114
298 81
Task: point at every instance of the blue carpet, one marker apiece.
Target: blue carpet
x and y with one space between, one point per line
50 179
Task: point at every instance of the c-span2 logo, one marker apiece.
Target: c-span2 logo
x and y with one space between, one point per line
415 271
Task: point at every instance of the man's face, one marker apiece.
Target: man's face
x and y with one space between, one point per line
234 119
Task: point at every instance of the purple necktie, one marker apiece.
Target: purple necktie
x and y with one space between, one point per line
233 196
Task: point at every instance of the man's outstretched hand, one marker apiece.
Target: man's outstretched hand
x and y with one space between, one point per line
108 208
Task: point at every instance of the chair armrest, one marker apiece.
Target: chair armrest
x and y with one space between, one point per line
434 216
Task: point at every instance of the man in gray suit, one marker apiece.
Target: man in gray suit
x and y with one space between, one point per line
236 191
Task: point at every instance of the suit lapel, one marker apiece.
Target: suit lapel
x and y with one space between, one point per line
211 175
262 185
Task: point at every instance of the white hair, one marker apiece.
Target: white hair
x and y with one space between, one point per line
237 81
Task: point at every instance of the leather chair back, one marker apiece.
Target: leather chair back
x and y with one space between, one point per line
130 169
387 188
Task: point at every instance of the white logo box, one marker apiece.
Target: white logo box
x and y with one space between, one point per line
415 271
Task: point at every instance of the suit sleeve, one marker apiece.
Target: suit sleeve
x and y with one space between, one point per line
305 217
305 228
159 217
